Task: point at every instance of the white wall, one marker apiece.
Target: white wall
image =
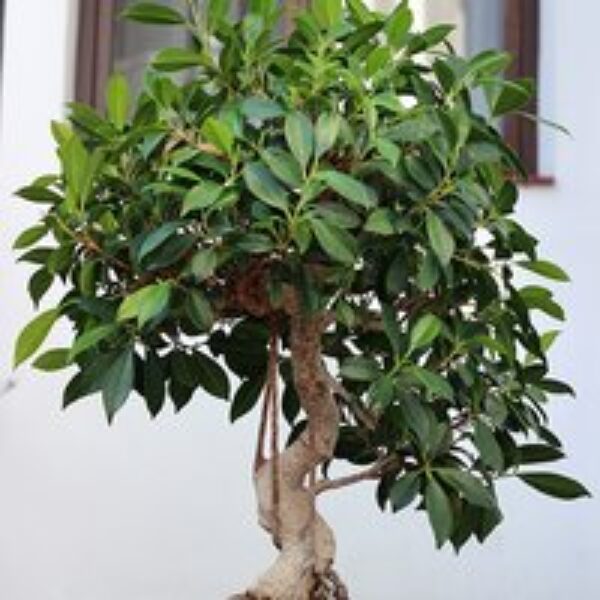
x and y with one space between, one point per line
164 510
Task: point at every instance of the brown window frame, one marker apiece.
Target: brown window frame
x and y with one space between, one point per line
522 40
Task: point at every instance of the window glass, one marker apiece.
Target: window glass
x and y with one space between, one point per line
135 44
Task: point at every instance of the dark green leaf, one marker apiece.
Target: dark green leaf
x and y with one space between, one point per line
404 491
557 486
348 187
335 241
440 238
425 331
488 446
246 398
360 368
117 383
151 13
300 137
469 486
326 133
154 383
261 109
211 376
284 166
204 195
439 511
264 186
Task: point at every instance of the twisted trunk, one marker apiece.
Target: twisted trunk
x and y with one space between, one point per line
303 570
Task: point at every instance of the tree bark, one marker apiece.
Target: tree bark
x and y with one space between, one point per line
286 507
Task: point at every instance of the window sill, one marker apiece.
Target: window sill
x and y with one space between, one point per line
539 181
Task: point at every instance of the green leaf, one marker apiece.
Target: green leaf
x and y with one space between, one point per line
34 335
39 284
261 109
265 187
157 238
39 194
434 383
348 187
391 327
246 398
335 241
398 26
211 376
360 368
171 60
404 491
381 222
30 236
538 453
117 100
284 166
154 383
469 486
508 96
546 269
326 133
200 311
204 195
300 137
426 330
204 264
488 446
557 486
439 512
539 298
146 304
218 133
440 238
327 13
154 14
118 383
91 338
53 360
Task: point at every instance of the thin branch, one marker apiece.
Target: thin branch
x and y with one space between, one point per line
373 472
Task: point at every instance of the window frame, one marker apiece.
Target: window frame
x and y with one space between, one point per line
94 50
522 38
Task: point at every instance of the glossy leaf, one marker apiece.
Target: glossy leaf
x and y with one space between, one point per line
34 335
265 187
557 486
153 13
441 239
300 137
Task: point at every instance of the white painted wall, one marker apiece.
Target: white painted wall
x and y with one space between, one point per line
164 511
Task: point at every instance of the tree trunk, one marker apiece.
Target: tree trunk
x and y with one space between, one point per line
286 507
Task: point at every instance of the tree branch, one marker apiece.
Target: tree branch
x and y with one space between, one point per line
373 472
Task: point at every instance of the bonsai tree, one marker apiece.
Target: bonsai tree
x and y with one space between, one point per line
325 221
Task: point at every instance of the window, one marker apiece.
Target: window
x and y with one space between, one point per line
107 43
482 24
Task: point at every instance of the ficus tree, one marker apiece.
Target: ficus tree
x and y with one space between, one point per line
324 220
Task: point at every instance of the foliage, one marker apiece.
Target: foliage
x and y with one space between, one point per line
349 163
